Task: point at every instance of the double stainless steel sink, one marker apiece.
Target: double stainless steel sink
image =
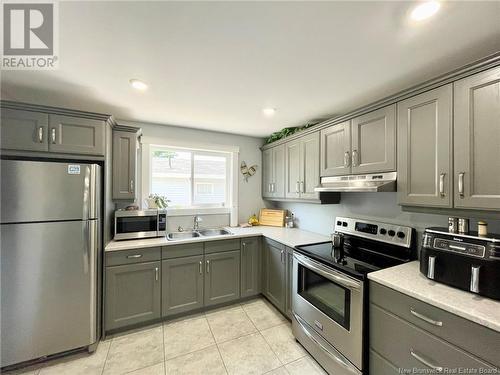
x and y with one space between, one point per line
172 236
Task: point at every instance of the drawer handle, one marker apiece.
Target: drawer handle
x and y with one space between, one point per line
134 256
424 361
40 134
426 319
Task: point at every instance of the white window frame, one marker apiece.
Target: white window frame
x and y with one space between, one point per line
231 170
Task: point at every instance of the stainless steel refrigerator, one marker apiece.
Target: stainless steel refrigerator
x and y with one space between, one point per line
50 245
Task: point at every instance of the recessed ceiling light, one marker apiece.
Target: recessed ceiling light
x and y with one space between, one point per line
138 84
269 112
425 10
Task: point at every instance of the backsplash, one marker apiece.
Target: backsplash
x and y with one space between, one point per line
187 221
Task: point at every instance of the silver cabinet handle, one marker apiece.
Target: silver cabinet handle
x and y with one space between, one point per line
273 187
40 134
53 135
347 159
243 244
461 184
281 255
134 256
424 361
426 319
201 265
301 189
431 267
131 186
208 266
355 158
157 271
297 187
441 184
474 279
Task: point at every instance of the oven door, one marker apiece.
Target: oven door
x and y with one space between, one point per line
330 303
136 225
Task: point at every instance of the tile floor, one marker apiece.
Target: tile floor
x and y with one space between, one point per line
247 338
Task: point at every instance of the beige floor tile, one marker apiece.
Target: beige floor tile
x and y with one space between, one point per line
158 369
206 361
28 370
305 365
79 364
278 371
248 355
228 324
283 343
263 314
135 351
186 336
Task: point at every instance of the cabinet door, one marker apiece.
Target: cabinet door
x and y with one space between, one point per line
222 277
267 172
132 294
76 135
289 281
477 140
279 171
336 150
275 275
182 285
250 266
24 130
309 173
293 168
374 141
425 149
124 165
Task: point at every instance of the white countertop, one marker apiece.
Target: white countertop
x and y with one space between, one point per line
287 236
407 279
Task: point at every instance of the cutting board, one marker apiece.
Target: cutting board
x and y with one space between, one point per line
273 218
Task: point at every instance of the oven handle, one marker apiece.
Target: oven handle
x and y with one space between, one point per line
327 272
336 358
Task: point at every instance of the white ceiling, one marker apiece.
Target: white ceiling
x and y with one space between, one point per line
215 65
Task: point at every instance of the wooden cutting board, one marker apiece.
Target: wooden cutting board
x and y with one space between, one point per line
273 218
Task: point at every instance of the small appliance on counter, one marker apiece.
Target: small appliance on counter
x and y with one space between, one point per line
465 261
135 224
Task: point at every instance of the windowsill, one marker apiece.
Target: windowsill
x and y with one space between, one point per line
198 211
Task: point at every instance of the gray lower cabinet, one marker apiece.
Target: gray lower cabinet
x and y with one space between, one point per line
124 164
182 284
24 130
76 135
274 269
425 149
250 266
476 141
407 333
222 277
133 293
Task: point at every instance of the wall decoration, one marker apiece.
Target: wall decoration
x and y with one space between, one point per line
247 171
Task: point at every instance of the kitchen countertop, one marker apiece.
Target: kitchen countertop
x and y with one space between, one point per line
407 279
287 236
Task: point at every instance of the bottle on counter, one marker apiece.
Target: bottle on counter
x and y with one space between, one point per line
289 220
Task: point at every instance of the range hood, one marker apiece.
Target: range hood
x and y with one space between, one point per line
358 183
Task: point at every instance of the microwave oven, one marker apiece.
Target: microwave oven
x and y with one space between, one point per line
140 224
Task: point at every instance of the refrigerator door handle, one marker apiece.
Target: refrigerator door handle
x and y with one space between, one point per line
91 192
92 248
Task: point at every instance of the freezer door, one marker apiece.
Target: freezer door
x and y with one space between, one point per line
49 293
45 191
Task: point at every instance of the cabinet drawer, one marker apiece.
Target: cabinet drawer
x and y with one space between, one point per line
184 250
223 245
116 258
409 347
274 244
474 338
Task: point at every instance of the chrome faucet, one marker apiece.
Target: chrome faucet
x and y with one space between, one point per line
197 221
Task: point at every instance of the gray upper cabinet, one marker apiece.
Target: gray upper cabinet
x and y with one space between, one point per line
275 274
24 130
182 284
250 266
477 140
273 181
132 294
222 277
335 150
302 167
124 165
425 149
374 141
76 135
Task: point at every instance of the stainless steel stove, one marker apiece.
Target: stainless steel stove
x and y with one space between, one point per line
330 291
